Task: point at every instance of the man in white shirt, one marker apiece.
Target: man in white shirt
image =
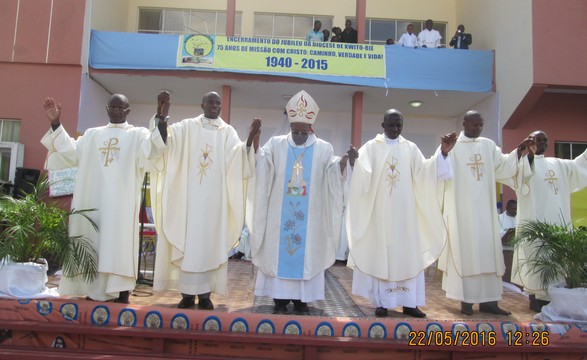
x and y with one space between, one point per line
507 222
429 38
408 39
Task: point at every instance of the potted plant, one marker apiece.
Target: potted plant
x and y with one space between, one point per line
34 228
559 258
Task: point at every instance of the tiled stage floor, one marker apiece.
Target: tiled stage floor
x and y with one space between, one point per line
339 300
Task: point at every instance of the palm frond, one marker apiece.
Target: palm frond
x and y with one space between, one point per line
35 226
556 252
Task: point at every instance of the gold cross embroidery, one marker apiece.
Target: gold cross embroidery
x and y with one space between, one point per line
110 150
393 174
552 180
205 161
476 166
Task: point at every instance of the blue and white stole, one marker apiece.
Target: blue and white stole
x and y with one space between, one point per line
294 212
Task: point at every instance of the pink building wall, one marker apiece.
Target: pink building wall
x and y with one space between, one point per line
40 55
560 57
559 61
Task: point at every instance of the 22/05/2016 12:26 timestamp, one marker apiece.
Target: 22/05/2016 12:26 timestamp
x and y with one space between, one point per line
449 338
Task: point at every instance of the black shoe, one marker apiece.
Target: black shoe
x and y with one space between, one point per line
537 304
466 308
187 301
204 302
123 297
301 308
381 312
492 308
414 312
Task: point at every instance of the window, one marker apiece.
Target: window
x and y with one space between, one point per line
568 149
11 152
377 31
287 26
9 130
175 21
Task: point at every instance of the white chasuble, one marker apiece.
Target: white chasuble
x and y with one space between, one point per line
394 221
111 160
544 194
200 204
472 261
298 210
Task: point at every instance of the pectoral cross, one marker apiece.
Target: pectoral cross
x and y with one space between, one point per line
298 169
552 180
109 150
477 166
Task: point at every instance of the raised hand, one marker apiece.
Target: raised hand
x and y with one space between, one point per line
163 104
353 154
52 110
447 142
529 145
254 133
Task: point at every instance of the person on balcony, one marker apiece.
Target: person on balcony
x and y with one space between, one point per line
315 34
461 40
429 38
408 39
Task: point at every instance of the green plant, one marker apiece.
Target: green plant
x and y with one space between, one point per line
558 252
34 227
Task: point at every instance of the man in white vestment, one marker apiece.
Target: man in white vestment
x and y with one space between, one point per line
429 38
297 211
507 222
200 200
394 220
111 163
544 194
472 260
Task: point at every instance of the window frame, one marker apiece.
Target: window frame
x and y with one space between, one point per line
190 13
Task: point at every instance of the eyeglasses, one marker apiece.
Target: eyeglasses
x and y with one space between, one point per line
116 108
303 133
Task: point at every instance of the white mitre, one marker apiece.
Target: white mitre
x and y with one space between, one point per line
302 108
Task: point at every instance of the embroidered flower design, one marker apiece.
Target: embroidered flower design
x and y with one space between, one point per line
296 239
299 216
293 239
301 110
289 225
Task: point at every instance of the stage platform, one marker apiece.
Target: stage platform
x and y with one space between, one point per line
242 326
